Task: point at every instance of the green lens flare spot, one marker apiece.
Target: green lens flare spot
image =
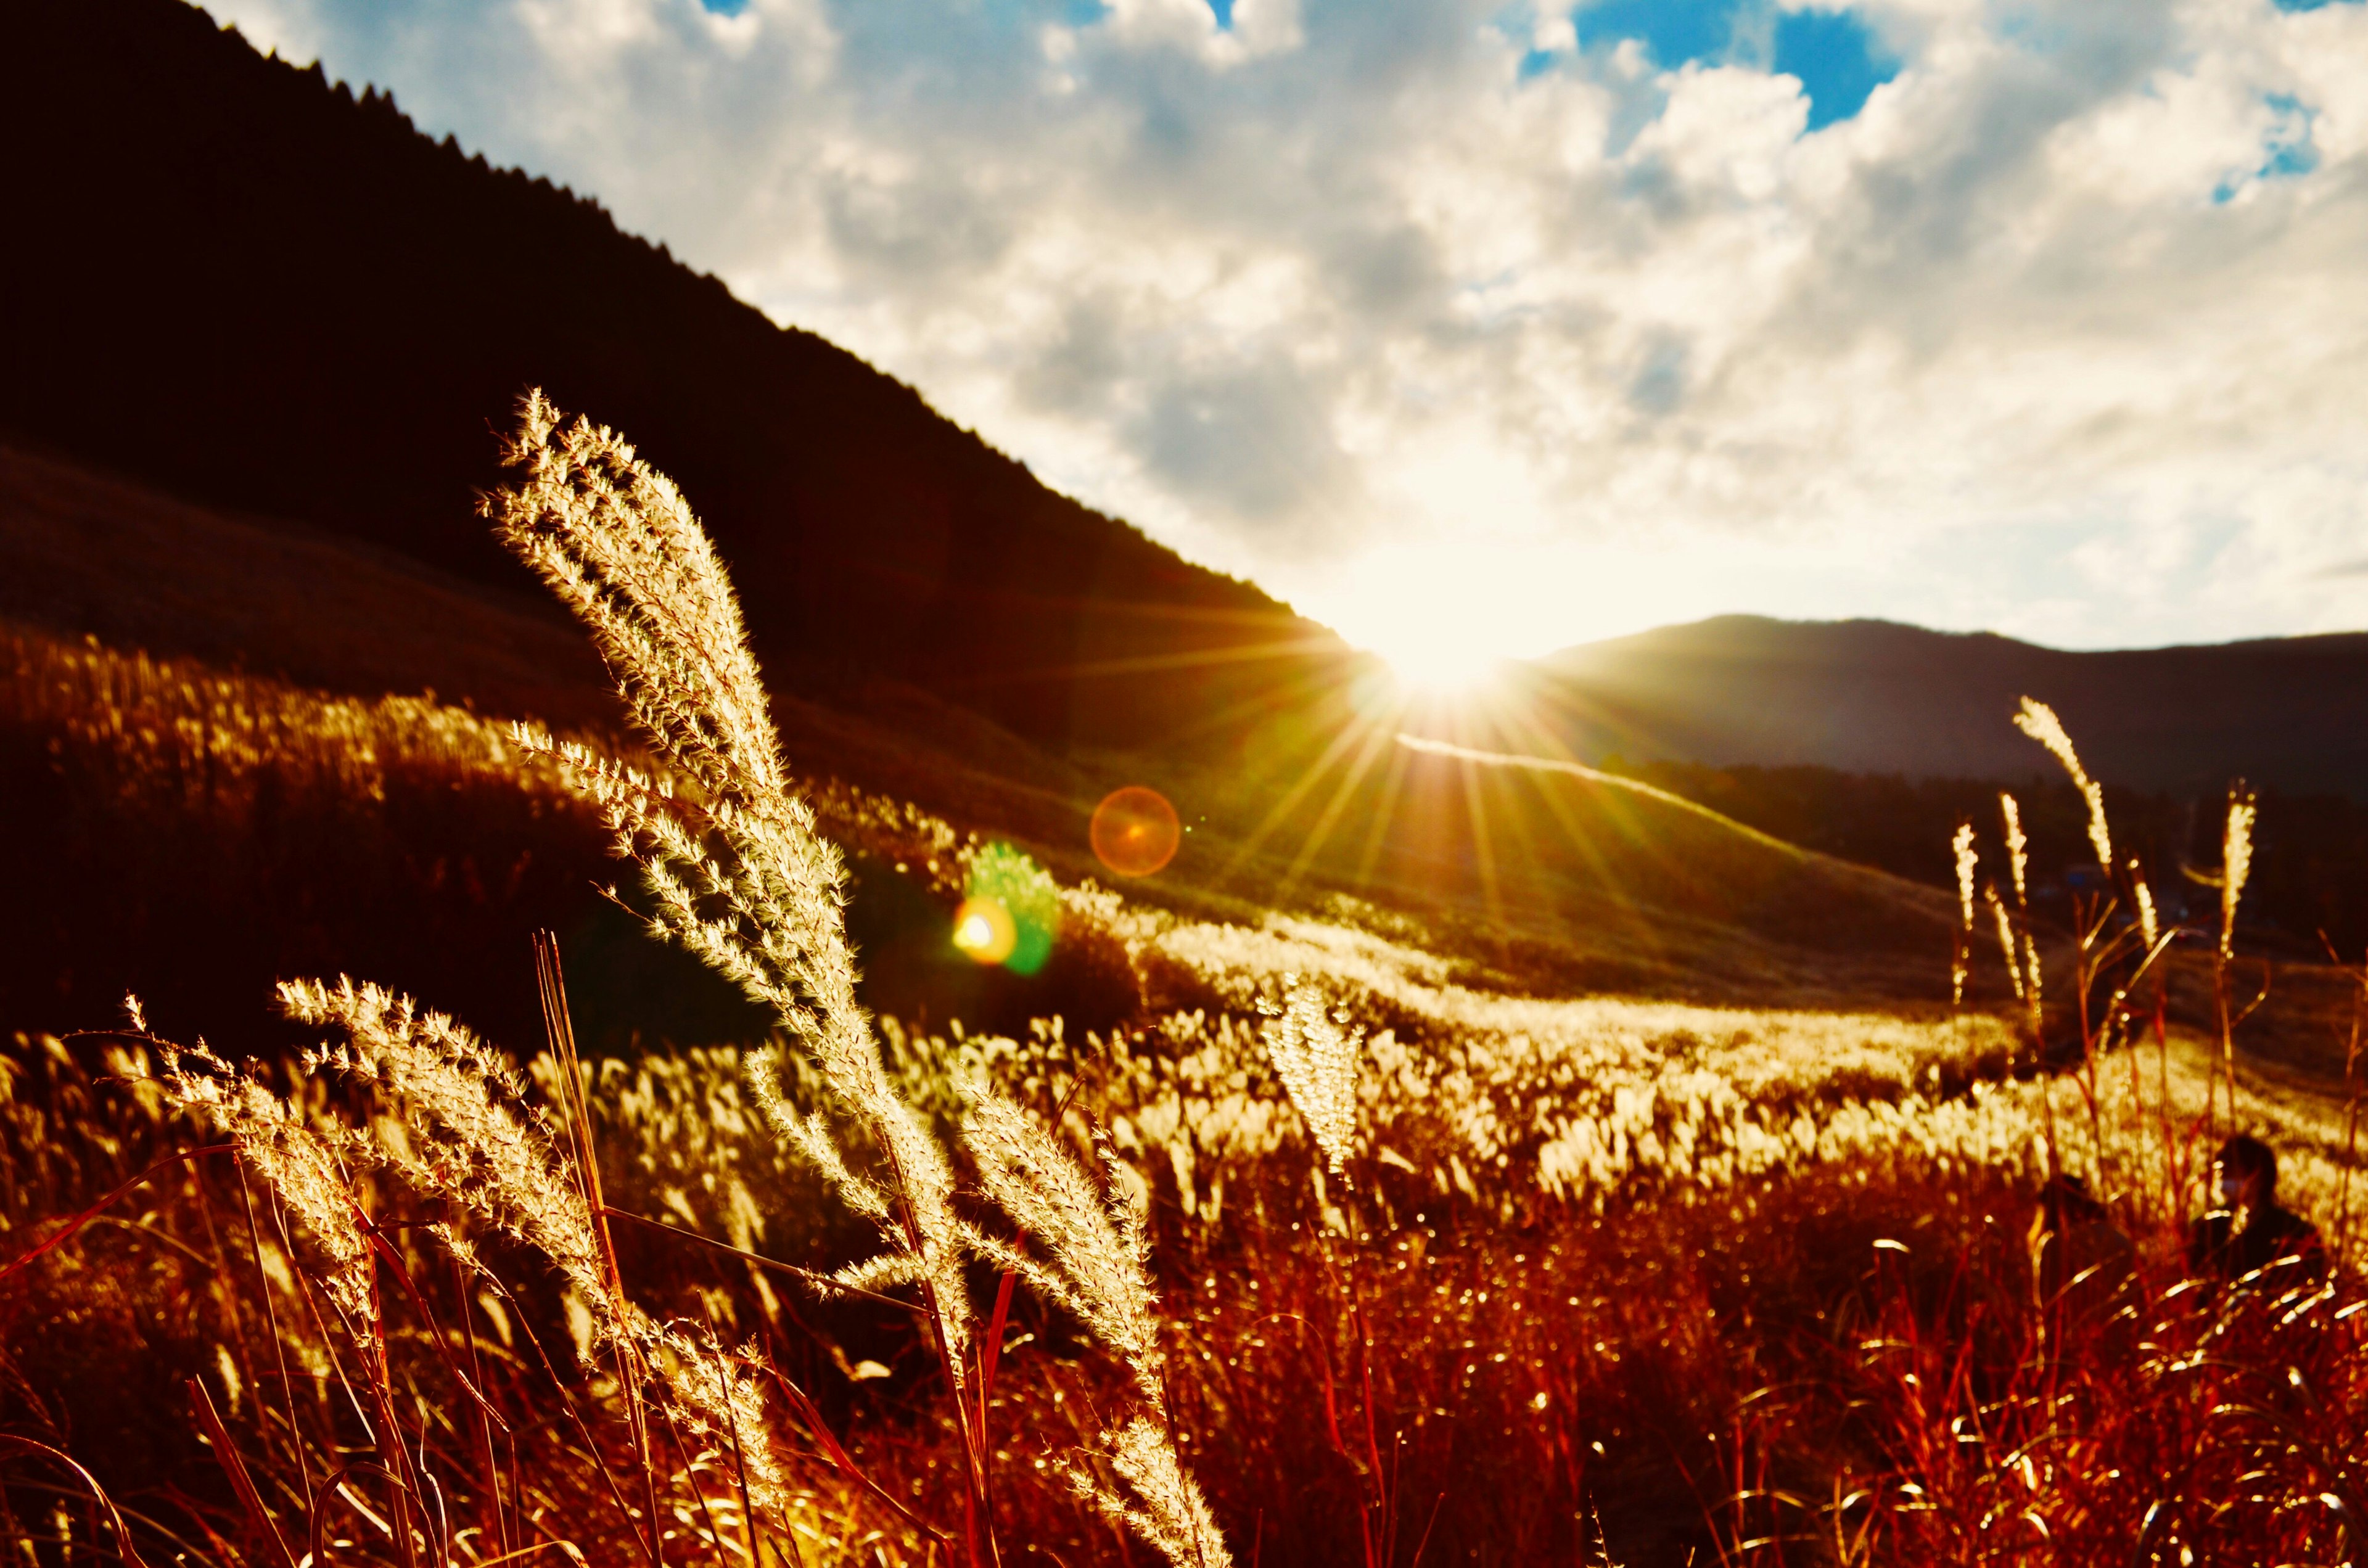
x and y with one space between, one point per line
1012 913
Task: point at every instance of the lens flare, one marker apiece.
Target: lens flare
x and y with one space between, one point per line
985 930
1135 832
1010 879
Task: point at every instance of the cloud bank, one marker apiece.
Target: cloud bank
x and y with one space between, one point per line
1538 323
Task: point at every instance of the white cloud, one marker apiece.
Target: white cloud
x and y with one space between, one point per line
2062 334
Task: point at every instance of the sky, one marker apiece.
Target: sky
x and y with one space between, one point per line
1486 329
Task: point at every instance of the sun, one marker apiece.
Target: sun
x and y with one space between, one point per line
1441 664
1438 614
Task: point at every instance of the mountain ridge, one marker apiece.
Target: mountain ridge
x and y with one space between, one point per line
1882 697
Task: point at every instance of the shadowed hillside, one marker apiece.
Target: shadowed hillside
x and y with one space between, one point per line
257 291
1871 697
1539 883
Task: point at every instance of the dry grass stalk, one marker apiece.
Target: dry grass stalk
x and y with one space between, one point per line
741 878
1091 1234
1315 1053
1960 953
303 1167
1165 1506
2038 722
739 875
2018 848
2236 863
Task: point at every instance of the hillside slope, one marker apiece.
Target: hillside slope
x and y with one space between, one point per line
245 285
85 554
1873 696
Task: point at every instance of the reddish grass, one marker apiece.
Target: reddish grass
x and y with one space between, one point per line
1751 1379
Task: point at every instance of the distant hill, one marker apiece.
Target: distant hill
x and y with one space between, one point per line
1874 696
242 284
1542 880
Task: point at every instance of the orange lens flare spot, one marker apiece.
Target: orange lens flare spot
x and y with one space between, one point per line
1135 832
985 930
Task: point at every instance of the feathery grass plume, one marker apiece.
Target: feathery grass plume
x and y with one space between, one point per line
2236 862
1960 957
2006 939
1316 1058
2149 923
739 875
301 1166
718 1395
2038 722
1091 1234
466 1133
2030 972
1967 861
1167 1508
476 1139
2018 848
809 1135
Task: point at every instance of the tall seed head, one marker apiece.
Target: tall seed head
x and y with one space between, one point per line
1967 860
2038 722
2150 923
2006 948
2018 848
461 1129
1163 1504
464 1131
303 1166
1090 1234
1315 1053
2236 862
738 875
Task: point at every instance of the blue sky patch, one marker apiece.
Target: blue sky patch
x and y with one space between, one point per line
1838 58
725 8
1673 31
2307 5
1223 10
2287 153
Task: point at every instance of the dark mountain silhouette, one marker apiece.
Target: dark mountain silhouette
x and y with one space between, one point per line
1874 696
233 281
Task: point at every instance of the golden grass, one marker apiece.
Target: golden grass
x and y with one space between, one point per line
874 1294
175 729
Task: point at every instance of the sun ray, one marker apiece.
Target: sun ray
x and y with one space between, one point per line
1311 777
1377 740
1393 783
1483 849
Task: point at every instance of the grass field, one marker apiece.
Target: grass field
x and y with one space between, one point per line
1349 1226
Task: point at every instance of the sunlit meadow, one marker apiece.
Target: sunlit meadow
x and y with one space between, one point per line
1327 1252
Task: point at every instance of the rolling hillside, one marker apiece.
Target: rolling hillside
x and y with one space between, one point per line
1529 882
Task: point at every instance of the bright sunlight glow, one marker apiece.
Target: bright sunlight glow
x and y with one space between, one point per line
1443 664
1439 617
1444 614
